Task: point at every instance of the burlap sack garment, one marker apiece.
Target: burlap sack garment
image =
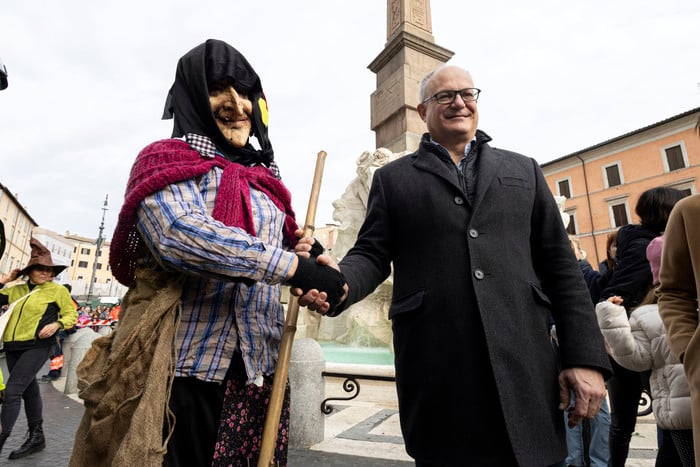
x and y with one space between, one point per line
126 377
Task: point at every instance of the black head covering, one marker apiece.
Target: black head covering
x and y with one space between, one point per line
188 99
3 76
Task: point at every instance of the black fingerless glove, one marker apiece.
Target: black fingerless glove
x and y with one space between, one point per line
311 275
316 249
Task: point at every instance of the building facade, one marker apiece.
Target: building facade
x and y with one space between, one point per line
89 272
602 183
61 250
18 225
85 266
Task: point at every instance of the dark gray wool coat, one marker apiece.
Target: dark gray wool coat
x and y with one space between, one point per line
475 287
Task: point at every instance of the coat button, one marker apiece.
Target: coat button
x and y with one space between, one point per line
473 233
459 200
479 274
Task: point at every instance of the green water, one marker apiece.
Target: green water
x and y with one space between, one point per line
340 353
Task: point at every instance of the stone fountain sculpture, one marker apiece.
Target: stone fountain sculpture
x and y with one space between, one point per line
366 323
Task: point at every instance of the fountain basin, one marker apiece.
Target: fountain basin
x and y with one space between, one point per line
334 352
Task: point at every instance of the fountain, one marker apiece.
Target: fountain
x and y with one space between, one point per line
362 333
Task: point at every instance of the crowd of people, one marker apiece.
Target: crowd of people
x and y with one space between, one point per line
508 363
101 315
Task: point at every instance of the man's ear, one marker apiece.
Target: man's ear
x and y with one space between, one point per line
421 111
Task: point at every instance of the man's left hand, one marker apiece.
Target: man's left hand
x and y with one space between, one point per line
589 391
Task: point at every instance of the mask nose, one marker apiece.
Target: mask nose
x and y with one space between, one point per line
235 102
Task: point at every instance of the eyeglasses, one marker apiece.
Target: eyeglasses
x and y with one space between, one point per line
448 97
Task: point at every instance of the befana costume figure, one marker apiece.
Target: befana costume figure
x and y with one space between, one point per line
203 241
40 309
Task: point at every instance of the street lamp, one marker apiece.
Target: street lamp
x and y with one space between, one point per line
98 243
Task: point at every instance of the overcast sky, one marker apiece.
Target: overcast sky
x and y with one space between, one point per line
88 82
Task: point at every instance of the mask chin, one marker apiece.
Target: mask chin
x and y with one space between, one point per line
238 137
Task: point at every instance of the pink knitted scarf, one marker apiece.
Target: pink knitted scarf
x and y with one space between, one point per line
173 160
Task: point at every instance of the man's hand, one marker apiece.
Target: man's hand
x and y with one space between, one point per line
589 390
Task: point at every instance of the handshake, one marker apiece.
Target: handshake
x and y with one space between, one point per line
317 280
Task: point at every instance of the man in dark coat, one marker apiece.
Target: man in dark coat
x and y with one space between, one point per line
481 262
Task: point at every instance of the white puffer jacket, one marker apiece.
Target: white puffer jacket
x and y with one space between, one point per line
639 343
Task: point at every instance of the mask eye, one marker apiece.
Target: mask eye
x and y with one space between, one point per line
218 86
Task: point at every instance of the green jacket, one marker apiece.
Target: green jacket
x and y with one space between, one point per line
50 302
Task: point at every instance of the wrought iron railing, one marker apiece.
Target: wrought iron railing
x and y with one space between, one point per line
351 384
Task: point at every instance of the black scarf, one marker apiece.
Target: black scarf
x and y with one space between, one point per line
188 99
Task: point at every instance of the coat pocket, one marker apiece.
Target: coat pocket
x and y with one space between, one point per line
515 181
540 297
406 304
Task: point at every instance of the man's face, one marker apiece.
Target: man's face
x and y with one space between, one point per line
450 123
232 112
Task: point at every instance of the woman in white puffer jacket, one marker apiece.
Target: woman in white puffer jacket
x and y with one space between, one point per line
639 343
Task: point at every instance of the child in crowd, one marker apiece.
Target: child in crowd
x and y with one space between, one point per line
639 343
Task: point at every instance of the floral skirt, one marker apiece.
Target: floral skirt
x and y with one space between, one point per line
242 421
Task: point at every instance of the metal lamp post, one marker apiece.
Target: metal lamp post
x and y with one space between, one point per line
98 243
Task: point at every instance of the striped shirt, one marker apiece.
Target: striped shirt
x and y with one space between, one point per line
231 294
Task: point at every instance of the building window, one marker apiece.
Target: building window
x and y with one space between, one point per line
85 251
618 214
564 188
612 175
674 157
82 264
571 228
686 186
99 266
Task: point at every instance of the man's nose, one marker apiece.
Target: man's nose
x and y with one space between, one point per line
459 101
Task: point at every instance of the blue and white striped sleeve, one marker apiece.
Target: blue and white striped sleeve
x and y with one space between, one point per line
176 225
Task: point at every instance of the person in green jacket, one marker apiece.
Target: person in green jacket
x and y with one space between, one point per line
42 308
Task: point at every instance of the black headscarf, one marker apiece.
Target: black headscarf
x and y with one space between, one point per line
188 99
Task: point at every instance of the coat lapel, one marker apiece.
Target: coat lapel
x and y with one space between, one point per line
430 162
489 162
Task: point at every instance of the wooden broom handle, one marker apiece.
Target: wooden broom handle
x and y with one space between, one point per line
279 383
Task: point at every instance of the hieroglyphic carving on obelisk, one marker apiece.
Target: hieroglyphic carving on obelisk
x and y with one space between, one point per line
411 12
409 53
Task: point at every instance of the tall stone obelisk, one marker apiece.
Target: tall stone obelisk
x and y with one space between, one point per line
409 53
